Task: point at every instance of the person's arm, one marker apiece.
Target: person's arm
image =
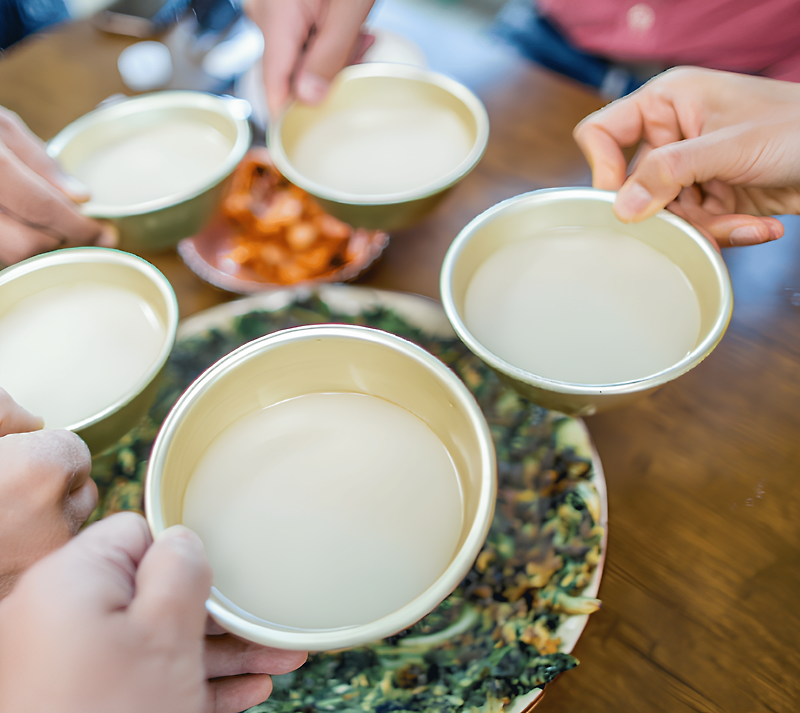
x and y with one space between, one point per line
39 202
720 149
306 42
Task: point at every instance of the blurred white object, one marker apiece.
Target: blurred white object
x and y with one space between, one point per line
84 8
388 47
250 86
145 66
239 108
236 54
391 47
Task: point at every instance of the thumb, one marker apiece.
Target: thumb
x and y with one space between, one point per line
94 572
664 172
338 41
14 418
172 585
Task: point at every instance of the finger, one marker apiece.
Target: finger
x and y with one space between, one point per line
49 465
14 418
659 113
19 241
33 201
660 176
676 208
238 693
231 656
286 28
719 198
335 43
741 230
94 572
603 154
80 505
172 585
31 150
364 42
214 629
728 230
109 237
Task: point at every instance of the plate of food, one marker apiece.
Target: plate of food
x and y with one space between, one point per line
270 234
510 627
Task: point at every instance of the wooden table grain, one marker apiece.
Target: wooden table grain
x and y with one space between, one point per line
702 583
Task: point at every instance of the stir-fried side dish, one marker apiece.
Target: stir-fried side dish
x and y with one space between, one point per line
282 233
496 637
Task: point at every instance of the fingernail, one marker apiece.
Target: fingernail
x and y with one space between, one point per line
178 532
185 541
746 235
109 237
73 187
311 88
775 232
632 200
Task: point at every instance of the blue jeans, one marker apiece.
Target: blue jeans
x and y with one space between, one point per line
519 24
19 18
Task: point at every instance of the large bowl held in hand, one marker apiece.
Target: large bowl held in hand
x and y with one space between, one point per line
385 146
84 337
156 165
318 539
578 311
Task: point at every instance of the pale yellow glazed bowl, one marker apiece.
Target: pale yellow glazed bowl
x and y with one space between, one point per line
120 269
318 359
523 216
363 86
160 223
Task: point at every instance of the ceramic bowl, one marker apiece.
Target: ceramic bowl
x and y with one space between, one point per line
523 216
158 223
325 359
95 267
367 97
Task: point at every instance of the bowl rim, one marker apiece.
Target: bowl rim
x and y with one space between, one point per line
329 639
548 195
223 106
104 256
396 71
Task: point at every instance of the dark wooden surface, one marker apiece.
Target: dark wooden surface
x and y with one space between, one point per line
702 584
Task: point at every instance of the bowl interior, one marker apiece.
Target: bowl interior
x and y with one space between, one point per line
108 126
525 216
371 97
97 266
331 359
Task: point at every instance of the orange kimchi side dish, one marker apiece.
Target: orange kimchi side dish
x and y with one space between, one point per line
282 232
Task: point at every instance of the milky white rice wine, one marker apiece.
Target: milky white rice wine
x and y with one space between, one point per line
583 305
382 150
326 510
71 351
157 161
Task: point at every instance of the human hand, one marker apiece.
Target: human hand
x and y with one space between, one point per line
38 201
721 150
240 670
46 493
114 622
306 43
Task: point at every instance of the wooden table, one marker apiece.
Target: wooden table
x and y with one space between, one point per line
702 583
